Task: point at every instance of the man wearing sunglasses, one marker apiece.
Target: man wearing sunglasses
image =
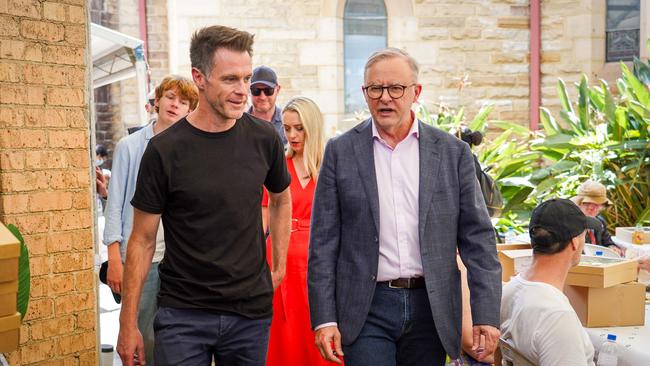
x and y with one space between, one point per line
264 92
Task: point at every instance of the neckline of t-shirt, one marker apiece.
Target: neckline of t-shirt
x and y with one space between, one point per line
526 282
200 132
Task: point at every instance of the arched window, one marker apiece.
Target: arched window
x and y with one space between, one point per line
364 30
623 25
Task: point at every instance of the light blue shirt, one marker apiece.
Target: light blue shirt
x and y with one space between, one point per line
121 188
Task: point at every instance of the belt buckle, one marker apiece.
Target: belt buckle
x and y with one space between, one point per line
390 285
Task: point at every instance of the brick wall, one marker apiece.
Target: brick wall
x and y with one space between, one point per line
102 12
158 48
485 40
573 43
45 174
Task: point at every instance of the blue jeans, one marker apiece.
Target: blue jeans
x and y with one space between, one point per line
148 306
192 337
399 330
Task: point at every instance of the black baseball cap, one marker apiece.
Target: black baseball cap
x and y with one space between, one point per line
264 75
561 218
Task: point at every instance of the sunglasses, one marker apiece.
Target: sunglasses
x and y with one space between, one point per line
258 91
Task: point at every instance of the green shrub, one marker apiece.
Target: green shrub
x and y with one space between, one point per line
601 135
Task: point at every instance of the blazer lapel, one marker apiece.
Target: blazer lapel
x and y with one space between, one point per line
363 151
429 165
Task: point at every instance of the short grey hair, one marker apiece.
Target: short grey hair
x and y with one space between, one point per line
388 53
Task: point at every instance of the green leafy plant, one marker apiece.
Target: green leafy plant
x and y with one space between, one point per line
22 302
603 135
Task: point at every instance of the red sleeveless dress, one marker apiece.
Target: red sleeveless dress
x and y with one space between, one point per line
292 340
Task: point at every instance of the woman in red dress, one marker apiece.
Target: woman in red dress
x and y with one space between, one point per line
292 340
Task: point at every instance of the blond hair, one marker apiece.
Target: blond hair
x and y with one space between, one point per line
312 122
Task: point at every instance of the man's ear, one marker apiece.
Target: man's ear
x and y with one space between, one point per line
575 243
418 91
198 77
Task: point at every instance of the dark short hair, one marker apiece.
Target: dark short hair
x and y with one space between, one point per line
472 138
206 41
100 150
545 242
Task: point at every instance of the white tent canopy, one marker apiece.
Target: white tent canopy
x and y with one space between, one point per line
116 57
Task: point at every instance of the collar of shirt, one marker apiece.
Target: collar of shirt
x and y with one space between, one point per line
148 131
277 116
413 131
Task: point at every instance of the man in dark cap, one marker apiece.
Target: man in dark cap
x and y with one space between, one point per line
536 316
264 92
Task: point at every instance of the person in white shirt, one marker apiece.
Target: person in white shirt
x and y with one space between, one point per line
536 316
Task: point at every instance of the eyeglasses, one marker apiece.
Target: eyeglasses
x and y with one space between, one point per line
258 91
395 91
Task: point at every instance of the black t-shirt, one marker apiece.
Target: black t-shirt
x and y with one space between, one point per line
208 187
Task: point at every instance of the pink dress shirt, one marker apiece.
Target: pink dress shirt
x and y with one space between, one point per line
398 183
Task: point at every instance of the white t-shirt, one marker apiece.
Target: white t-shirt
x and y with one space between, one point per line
538 320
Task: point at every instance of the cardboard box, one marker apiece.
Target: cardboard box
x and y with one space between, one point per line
8 292
9 253
9 332
501 247
602 272
626 234
615 306
514 261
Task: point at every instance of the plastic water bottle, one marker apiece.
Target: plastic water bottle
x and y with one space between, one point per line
637 235
608 354
107 355
510 236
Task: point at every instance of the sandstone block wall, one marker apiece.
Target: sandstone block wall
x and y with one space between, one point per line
45 174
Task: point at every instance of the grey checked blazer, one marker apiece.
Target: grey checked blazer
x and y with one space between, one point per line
344 243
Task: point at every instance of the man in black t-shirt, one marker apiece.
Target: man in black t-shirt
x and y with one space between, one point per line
204 177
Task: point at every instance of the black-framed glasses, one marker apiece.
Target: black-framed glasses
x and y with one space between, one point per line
395 91
258 91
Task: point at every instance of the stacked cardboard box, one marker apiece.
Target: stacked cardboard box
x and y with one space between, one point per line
514 258
9 318
514 261
626 234
604 292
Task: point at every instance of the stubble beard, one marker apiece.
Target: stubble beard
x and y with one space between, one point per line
222 111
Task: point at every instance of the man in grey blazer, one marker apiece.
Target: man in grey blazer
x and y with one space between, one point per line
396 199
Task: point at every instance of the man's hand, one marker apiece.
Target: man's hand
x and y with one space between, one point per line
490 335
130 346
324 339
617 250
114 276
277 278
100 183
